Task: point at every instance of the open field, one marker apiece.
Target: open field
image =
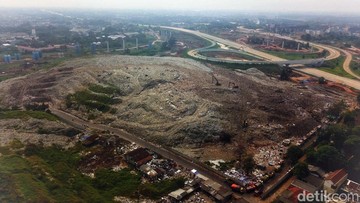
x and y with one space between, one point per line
335 66
293 55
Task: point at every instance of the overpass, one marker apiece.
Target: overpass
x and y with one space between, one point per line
333 54
265 57
197 54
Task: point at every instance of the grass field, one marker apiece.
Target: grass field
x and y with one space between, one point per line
17 114
355 67
109 90
336 67
92 100
292 55
51 175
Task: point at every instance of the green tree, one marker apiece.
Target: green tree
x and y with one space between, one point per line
322 80
335 111
248 164
349 118
285 73
352 145
301 170
329 158
294 153
338 135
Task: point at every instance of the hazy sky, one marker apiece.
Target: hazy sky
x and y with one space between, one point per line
339 6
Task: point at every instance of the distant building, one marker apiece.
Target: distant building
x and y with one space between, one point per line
130 34
314 32
334 180
33 32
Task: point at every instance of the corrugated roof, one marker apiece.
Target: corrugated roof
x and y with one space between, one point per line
336 176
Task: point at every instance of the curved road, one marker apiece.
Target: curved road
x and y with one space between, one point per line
165 152
333 53
347 64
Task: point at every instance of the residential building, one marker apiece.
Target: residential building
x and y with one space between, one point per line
334 180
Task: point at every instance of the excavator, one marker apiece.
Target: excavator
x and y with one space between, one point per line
232 85
216 81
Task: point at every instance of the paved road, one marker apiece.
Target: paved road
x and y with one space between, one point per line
165 152
331 77
347 64
229 43
334 53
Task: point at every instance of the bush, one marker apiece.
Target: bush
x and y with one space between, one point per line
112 183
157 190
301 170
105 89
327 157
294 153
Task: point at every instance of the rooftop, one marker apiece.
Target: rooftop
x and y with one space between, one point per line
140 156
352 186
336 176
304 186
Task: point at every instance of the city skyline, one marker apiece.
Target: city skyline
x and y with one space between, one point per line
330 6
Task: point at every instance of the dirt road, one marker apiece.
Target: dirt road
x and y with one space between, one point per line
335 78
347 64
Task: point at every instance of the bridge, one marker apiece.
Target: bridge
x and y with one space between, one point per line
264 58
197 54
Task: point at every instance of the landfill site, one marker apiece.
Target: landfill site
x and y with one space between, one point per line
182 103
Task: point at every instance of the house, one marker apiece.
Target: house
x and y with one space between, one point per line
138 157
149 171
351 187
334 180
290 195
178 194
315 181
217 191
298 187
308 188
317 171
90 140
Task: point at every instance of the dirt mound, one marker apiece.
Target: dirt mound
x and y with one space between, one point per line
175 102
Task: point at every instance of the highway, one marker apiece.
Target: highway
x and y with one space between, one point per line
229 43
165 152
333 54
347 64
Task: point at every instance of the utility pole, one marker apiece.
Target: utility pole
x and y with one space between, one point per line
107 47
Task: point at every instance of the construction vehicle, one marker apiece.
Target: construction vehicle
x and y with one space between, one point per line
216 81
232 85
